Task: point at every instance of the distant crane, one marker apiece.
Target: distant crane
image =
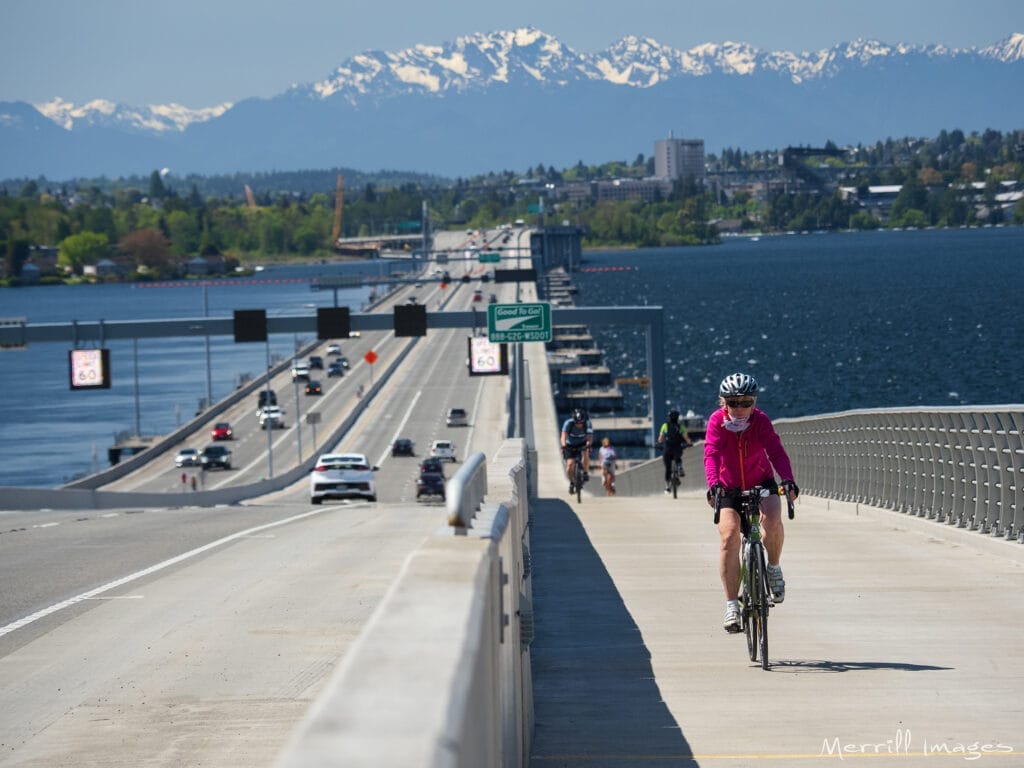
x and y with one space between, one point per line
339 197
250 198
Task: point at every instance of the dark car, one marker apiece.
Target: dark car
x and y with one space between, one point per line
335 369
432 464
403 446
315 361
430 484
215 456
313 387
266 397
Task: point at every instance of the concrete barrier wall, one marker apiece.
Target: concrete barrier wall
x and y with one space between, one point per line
440 675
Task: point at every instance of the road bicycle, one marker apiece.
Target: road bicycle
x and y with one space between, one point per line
675 475
576 453
755 593
676 472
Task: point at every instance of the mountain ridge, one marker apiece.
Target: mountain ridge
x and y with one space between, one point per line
433 96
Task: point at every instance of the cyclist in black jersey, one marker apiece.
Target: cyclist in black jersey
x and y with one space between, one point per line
577 437
672 436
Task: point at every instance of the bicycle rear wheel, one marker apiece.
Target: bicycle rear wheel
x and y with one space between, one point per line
579 481
762 610
675 480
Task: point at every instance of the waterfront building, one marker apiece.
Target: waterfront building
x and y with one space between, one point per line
677 159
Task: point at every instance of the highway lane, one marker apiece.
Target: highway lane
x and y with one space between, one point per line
96 546
250 445
181 636
254 457
200 636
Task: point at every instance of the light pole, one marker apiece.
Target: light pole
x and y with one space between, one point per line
298 422
266 422
209 375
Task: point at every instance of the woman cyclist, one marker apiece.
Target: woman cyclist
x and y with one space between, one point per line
741 450
606 455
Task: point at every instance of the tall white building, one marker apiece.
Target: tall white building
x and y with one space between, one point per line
679 159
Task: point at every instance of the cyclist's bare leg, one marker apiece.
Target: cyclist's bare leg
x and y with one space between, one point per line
570 468
729 552
774 532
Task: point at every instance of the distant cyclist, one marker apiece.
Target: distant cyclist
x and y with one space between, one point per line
577 437
606 456
742 449
672 436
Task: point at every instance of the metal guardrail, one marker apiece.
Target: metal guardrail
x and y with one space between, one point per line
960 466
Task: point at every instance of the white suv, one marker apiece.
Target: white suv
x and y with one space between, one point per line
443 449
272 417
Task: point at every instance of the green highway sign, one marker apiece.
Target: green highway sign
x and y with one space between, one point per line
485 258
519 322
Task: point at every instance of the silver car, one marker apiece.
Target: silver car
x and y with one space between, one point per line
342 476
457 417
187 457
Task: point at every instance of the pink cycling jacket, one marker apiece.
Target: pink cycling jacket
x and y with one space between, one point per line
744 459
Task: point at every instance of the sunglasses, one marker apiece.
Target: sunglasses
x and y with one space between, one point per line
745 403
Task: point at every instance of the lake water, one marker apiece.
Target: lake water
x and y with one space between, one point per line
825 322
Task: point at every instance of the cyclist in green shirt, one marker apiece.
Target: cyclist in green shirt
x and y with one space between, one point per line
672 435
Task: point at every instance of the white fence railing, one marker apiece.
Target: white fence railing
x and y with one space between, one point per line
961 466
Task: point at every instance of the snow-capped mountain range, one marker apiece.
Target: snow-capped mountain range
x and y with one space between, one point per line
421 95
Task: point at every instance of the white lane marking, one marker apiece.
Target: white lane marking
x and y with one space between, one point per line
115 597
147 571
46 525
401 427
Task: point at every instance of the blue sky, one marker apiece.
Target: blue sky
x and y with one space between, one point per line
200 53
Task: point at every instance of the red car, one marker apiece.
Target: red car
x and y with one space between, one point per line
221 431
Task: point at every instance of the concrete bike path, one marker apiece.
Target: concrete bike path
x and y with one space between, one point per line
899 640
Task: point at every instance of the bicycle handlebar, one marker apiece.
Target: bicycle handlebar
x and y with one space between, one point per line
759 491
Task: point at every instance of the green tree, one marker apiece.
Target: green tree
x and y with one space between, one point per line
184 232
75 251
16 254
157 190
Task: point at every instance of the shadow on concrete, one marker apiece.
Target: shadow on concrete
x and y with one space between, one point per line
822 665
595 698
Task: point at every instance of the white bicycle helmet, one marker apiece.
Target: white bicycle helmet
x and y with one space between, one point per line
738 384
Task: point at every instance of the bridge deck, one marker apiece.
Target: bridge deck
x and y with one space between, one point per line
899 636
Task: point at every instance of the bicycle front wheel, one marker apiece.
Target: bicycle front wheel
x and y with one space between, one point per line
579 483
762 611
748 596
